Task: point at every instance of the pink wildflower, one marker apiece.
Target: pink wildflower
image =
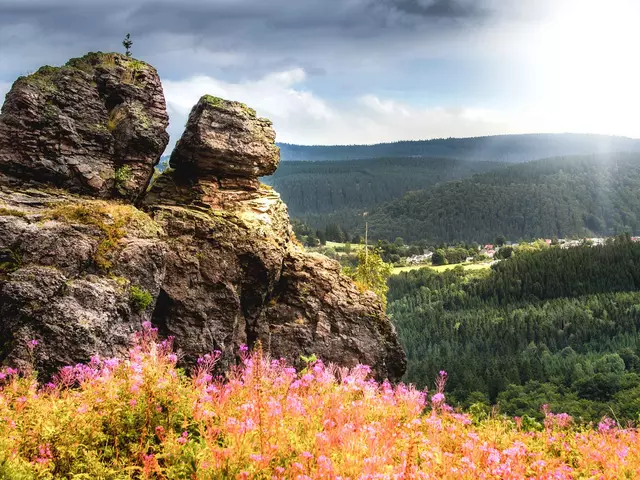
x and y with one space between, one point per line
183 438
606 424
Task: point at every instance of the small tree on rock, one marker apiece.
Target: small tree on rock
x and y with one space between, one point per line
127 43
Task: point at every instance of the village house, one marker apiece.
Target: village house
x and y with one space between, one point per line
420 259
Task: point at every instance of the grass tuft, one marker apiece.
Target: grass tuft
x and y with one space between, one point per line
140 298
11 212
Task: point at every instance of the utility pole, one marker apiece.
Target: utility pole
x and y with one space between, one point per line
366 239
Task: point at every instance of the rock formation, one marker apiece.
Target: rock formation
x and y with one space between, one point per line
95 126
211 258
228 140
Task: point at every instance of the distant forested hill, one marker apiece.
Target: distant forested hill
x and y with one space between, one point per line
334 187
563 197
499 148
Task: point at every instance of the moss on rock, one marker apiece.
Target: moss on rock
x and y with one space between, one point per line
113 220
213 101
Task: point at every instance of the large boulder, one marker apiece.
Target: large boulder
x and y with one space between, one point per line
77 275
225 138
316 310
95 126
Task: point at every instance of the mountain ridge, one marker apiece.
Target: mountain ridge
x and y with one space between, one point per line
509 148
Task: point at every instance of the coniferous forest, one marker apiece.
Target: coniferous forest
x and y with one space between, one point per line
338 192
557 327
448 201
561 197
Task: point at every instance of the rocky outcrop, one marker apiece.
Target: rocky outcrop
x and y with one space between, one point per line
226 139
316 309
234 273
95 126
211 261
78 275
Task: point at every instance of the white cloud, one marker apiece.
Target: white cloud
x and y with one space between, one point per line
299 116
273 96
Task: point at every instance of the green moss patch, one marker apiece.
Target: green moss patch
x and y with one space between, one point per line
43 79
139 298
10 261
213 101
221 102
248 110
11 212
89 62
113 221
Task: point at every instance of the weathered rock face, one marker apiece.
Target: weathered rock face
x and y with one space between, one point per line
95 126
213 262
316 309
70 270
226 138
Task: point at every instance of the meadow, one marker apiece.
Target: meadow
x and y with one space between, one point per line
142 417
443 268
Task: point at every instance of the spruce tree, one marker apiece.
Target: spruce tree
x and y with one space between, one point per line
127 43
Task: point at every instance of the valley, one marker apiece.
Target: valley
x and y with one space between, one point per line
546 313
558 326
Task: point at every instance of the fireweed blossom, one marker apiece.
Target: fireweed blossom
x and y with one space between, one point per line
141 417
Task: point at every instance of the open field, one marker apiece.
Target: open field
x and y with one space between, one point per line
354 246
442 268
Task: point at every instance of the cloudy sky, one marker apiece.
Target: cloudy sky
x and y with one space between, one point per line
362 71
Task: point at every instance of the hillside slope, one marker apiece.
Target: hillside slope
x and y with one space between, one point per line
499 148
310 188
557 327
563 197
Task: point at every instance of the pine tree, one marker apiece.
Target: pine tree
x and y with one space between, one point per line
127 43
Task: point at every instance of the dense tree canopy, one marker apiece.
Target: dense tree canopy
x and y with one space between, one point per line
558 197
557 326
325 193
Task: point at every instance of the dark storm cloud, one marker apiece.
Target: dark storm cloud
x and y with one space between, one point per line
256 22
206 16
235 39
445 9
